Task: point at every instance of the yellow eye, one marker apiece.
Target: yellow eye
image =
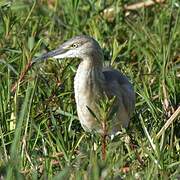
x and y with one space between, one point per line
75 45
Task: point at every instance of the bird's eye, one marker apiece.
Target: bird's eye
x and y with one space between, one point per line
75 45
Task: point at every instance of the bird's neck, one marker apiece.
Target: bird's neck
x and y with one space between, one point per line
89 79
92 67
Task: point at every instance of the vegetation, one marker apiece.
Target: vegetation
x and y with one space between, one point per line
40 135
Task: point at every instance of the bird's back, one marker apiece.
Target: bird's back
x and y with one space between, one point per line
114 75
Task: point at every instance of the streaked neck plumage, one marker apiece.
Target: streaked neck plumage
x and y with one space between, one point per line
88 82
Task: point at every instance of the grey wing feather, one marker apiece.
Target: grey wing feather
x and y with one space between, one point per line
118 85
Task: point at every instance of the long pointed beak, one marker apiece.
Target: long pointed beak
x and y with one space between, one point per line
50 54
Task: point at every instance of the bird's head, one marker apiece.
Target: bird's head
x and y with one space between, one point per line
81 47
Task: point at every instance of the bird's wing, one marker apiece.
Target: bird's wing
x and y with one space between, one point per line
118 85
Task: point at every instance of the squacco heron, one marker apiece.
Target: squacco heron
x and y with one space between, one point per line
92 81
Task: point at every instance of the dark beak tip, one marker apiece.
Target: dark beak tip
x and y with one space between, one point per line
41 58
34 60
48 55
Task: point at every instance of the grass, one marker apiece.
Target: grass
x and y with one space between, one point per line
40 135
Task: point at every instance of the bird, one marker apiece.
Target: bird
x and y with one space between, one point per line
92 81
